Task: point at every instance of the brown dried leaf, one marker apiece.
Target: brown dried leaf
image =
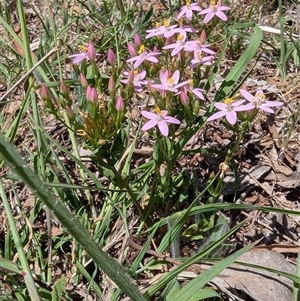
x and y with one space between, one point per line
286 181
259 284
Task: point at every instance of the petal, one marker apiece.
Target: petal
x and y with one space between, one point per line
247 95
238 103
133 59
176 76
152 59
231 117
148 125
221 15
246 107
149 115
189 14
273 104
221 106
205 11
217 115
266 109
163 77
138 62
208 17
198 93
163 127
170 119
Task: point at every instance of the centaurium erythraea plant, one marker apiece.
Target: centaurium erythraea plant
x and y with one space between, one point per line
138 79
169 83
165 30
188 10
259 101
179 45
228 110
87 53
214 10
160 119
143 55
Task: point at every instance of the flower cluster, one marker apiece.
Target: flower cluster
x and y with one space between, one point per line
188 55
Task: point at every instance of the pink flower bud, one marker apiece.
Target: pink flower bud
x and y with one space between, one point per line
184 98
70 113
137 40
131 50
45 93
91 52
120 104
111 85
91 94
83 81
111 57
64 89
202 38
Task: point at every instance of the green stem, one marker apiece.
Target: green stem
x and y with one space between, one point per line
29 281
111 267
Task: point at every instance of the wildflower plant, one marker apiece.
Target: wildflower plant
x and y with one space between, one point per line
167 76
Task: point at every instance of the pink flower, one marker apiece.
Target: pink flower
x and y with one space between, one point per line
138 79
259 101
188 10
165 30
169 83
200 59
87 53
229 109
161 119
199 44
214 10
179 45
144 55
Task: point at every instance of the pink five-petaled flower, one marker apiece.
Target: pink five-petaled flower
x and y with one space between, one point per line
229 109
144 55
169 83
214 10
200 59
179 45
138 79
87 53
161 119
165 30
188 10
259 101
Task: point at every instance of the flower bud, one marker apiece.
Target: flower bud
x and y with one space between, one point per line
184 97
91 94
137 40
120 104
111 87
70 113
83 81
64 89
111 57
45 93
131 50
91 52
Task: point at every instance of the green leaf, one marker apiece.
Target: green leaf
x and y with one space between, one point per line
191 290
58 289
233 76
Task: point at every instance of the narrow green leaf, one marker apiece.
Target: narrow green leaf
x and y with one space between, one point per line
192 288
240 66
109 266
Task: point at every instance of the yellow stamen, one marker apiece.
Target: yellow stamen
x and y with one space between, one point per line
188 2
83 48
170 80
157 111
180 22
191 82
212 2
136 72
142 49
228 101
157 24
166 23
180 37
